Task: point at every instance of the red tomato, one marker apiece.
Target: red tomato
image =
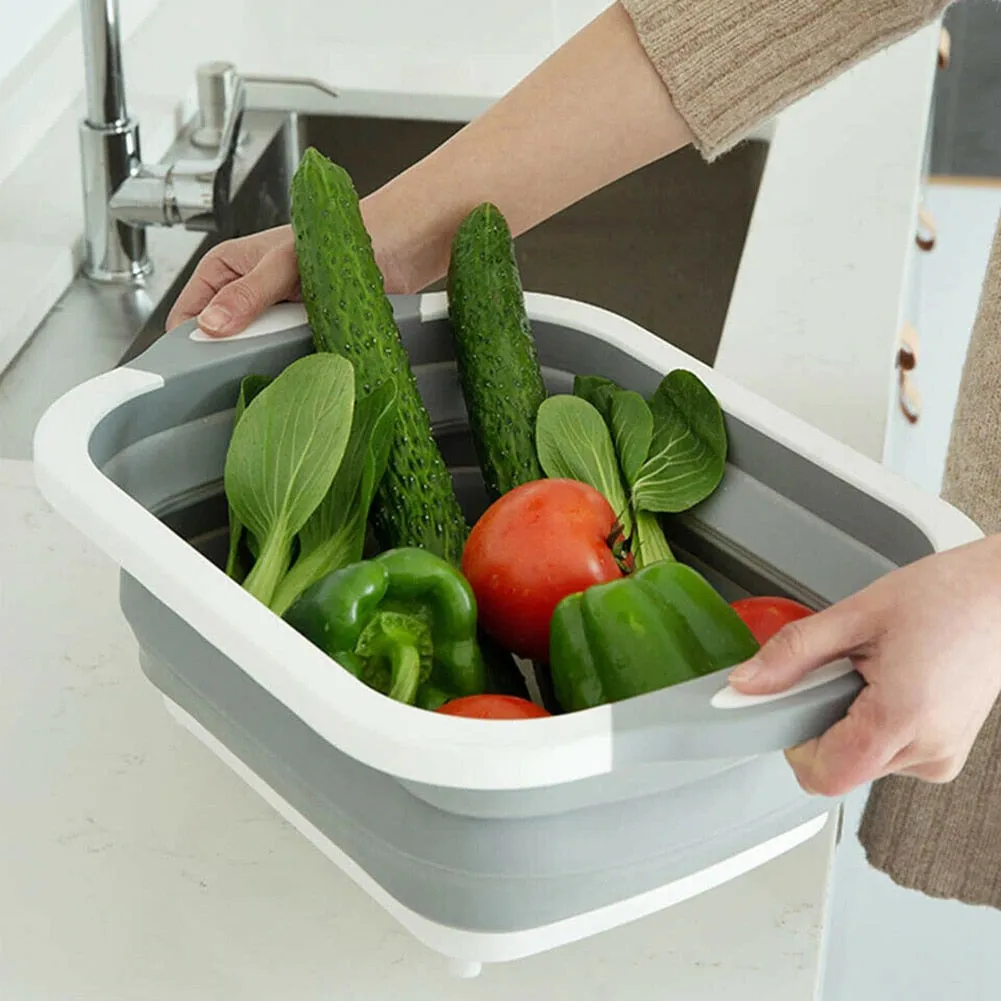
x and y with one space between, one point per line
535 545
766 616
493 707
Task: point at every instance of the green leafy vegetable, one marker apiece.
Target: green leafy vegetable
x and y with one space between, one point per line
598 391
649 543
574 443
664 456
688 455
283 456
334 534
249 388
632 429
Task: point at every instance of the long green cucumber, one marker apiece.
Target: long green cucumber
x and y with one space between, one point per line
497 360
350 314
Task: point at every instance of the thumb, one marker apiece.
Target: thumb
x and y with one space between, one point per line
797 648
241 301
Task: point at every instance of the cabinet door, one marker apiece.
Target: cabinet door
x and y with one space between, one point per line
949 288
905 445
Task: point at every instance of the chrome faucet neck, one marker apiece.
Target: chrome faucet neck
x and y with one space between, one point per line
109 151
102 51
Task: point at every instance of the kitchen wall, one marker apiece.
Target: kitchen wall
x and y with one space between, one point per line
481 26
24 26
41 63
435 26
38 65
41 67
485 26
571 15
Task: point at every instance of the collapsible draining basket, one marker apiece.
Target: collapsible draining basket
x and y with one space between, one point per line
487 841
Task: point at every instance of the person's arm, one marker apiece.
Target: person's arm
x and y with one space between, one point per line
643 79
593 112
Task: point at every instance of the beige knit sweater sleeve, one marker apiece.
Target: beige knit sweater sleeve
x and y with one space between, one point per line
729 64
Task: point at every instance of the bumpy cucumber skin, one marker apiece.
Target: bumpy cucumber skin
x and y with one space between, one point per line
350 314
497 359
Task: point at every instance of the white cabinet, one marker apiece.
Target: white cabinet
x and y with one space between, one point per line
935 318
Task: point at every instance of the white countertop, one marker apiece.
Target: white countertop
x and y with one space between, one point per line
134 865
137 866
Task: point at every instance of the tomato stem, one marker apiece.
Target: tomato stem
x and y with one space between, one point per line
619 544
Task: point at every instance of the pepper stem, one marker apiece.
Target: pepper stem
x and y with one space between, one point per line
405 664
396 648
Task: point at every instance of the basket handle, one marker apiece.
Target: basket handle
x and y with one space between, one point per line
187 348
706 718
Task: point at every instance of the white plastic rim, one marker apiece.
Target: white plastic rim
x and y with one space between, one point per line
412 744
730 698
282 316
944 526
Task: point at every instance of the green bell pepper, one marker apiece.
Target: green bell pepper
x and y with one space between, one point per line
657 627
403 622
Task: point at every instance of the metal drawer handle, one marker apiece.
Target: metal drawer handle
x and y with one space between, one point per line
927 230
944 49
908 395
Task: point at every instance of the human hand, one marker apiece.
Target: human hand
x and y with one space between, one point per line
237 280
927 640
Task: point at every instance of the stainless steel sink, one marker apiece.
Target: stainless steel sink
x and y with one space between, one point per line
661 247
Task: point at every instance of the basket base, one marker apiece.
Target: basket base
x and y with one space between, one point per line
467 951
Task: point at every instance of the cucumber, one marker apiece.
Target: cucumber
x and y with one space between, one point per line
351 315
498 365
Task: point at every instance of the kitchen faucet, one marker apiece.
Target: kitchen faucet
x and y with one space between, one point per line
122 195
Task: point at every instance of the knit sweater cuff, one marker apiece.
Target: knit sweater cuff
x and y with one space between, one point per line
731 64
